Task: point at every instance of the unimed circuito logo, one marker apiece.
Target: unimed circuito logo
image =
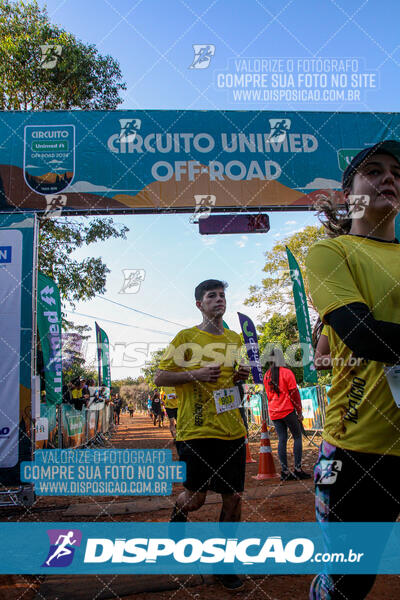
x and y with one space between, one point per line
345 156
5 254
295 273
46 295
62 547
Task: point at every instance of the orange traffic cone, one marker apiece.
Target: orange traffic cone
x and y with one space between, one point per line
266 467
249 459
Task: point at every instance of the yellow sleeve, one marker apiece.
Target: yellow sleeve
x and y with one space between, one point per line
330 281
325 330
167 362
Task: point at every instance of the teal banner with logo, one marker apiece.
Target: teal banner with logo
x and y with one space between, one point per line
103 351
313 413
303 319
17 259
163 160
46 176
69 548
49 326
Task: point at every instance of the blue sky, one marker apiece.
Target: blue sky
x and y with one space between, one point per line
153 42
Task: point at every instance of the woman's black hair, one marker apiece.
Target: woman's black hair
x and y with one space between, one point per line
277 361
274 372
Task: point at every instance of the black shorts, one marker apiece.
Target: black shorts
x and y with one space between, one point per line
214 464
172 413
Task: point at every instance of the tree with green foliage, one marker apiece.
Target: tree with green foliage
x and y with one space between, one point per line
58 238
151 367
274 294
118 383
136 393
280 330
80 77
44 67
80 368
275 297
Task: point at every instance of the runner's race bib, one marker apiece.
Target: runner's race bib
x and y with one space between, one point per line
227 399
393 379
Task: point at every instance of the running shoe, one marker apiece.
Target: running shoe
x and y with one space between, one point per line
300 474
287 476
230 582
178 516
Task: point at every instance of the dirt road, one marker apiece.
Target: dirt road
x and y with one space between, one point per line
264 501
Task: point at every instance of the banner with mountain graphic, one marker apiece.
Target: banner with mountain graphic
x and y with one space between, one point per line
150 161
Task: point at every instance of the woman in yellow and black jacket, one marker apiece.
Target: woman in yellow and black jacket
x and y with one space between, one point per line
354 281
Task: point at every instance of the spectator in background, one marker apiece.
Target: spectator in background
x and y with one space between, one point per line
76 393
156 408
284 407
131 409
149 406
85 390
66 393
117 408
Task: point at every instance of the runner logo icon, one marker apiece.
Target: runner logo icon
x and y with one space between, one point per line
54 205
62 547
279 128
203 54
50 55
129 129
132 280
123 142
329 472
357 205
204 204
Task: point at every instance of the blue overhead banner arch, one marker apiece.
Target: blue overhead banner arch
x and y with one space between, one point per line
132 161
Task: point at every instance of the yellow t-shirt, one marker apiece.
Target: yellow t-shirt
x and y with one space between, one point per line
197 415
170 398
362 414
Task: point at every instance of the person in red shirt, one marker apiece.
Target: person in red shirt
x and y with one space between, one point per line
284 407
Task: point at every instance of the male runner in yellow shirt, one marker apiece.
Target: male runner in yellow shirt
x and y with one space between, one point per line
200 362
